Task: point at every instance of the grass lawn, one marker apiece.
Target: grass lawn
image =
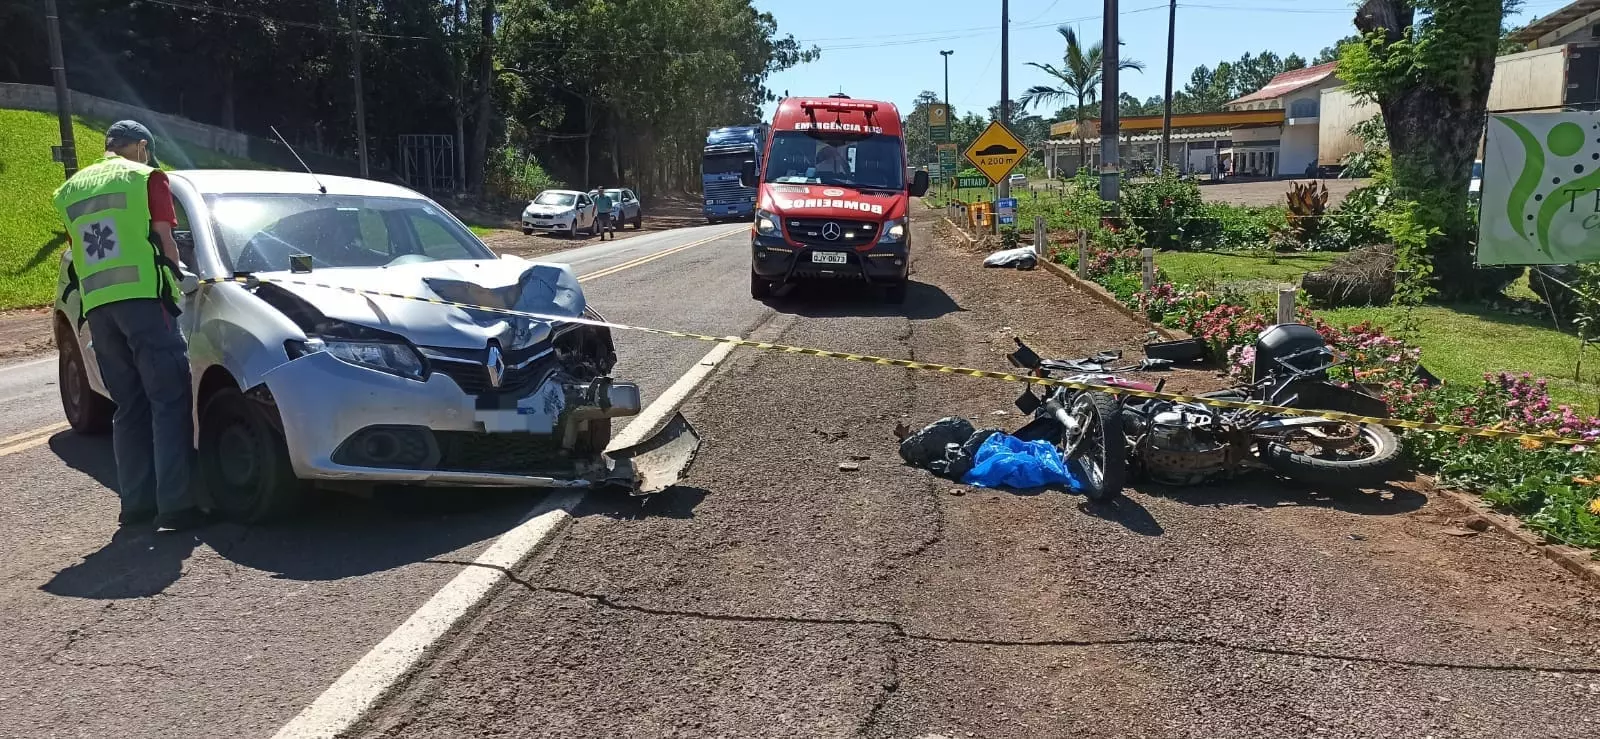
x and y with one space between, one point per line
1194 267
31 236
1459 342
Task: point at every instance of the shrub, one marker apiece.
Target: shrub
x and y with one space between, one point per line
1237 227
1308 203
1168 208
516 177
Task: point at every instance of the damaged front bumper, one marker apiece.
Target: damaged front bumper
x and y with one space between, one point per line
348 424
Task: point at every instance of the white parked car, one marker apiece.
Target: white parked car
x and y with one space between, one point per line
1018 180
628 206
560 211
308 369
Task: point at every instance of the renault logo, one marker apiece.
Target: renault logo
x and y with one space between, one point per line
830 231
495 365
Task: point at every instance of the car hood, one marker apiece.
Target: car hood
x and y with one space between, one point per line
822 201
512 282
548 210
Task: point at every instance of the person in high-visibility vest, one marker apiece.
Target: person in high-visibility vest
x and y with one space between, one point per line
119 218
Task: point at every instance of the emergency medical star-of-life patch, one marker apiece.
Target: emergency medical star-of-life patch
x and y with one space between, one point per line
100 241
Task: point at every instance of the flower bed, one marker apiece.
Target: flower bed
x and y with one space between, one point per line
1553 489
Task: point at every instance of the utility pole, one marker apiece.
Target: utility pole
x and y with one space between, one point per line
1003 190
1166 114
58 70
361 103
946 54
1109 121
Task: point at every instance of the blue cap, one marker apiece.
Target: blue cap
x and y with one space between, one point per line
131 130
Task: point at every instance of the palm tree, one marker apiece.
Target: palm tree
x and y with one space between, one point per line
1079 78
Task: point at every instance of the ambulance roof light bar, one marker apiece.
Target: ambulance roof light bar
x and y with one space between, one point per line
837 106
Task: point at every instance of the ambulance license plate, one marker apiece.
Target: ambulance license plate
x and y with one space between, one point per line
827 257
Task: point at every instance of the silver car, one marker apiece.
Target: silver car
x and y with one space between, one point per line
629 211
560 211
304 370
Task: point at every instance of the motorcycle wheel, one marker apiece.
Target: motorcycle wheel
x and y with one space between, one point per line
1097 445
1362 455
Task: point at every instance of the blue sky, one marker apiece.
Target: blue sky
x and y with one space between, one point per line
889 49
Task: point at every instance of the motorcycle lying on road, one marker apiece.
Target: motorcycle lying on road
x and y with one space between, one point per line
1188 443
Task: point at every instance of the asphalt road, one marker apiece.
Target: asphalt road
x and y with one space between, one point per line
805 583
233 631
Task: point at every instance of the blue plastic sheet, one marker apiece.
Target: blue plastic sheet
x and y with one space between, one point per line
1004 461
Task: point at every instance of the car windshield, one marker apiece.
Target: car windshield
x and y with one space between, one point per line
614 194
724 163
871 161
555 198
258 233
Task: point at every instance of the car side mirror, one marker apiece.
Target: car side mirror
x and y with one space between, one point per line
919 183
747 173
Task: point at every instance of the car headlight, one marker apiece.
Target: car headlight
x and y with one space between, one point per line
894 232
711 202
766 223
394 358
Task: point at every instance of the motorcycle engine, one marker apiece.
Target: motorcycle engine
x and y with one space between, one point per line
1180 449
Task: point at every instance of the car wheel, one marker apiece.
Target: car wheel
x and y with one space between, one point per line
527 232
87 411
244 462
760 287
895 293
638 222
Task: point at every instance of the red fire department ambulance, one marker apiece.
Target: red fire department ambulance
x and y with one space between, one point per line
834 199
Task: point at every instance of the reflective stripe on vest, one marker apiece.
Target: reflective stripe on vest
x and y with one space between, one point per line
106 207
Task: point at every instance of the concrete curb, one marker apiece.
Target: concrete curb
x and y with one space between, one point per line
957 230
1573 559
1099 293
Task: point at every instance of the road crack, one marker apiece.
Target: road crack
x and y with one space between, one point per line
899 630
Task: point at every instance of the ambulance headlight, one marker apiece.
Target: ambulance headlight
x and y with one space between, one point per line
766 223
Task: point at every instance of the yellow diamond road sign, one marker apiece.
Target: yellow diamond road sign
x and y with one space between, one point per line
996 152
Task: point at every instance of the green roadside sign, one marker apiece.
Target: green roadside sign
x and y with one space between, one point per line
947 160
967 182
939 123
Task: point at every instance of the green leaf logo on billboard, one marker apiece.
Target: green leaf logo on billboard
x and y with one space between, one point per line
1541 190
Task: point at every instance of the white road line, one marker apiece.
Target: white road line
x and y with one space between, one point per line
378 673
20 365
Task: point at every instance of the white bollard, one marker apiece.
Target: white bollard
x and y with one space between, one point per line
1038 237
1083 253
1149 257
1286 295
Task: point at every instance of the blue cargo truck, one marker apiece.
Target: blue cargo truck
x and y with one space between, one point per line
727 149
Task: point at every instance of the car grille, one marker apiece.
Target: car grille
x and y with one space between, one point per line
504 454
852 234
473 377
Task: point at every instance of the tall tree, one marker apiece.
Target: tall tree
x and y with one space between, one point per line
1077 80
919 146
1427 64
1331 53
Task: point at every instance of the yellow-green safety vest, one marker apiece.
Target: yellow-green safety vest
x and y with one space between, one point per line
115 255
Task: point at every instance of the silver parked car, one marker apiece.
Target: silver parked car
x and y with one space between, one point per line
301 375
630 211
560 211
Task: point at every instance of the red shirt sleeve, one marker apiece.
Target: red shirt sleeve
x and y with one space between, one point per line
160 194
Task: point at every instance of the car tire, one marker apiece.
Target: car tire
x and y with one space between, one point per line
895 293
244 462
527 232
638 223
87 411
760 287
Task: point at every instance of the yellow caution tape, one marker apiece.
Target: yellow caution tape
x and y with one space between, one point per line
1490 433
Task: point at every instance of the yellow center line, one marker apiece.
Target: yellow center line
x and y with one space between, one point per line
29 439
630 264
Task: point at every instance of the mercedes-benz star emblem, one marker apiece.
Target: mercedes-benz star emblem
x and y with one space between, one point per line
495 365
830 231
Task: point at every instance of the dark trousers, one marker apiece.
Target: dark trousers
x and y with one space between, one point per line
145 365
603 224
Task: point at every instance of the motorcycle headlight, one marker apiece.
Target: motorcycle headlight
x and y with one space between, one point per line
894 231
766 223
384 356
